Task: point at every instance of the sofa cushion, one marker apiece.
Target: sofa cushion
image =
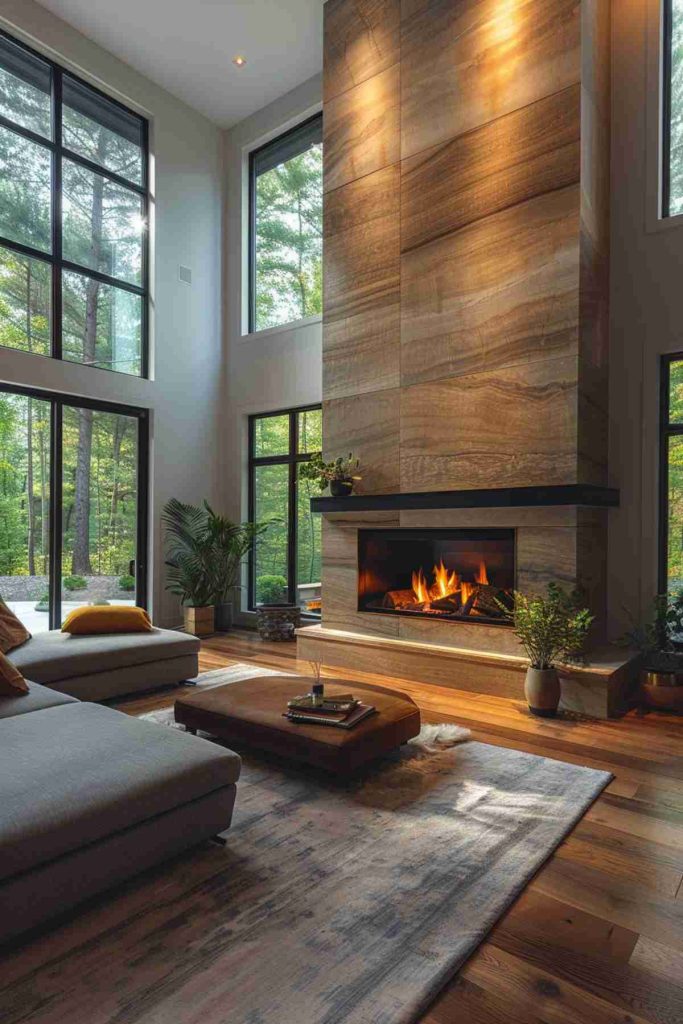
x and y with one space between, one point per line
72 775
37 698
91 620
53 656
12 630
12 681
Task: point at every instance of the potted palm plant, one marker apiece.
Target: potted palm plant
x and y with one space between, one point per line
550 629
189 564
340 474
231 543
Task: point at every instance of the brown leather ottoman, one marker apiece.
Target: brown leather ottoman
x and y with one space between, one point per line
250 714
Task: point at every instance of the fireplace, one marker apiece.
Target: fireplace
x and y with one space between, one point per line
454 575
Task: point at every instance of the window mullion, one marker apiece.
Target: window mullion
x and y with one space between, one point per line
292 496
57 214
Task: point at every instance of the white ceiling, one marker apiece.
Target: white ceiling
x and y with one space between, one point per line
187 46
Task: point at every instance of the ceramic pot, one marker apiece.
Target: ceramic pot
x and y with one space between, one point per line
542 691
341 488
662 690
223 617
199 621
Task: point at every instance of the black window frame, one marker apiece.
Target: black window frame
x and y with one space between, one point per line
58 152
667 430
292 459
58 402
290 143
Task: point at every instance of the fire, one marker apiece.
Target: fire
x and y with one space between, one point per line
420 588
445 583
481 577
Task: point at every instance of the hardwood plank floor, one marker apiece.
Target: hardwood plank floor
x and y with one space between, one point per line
596 938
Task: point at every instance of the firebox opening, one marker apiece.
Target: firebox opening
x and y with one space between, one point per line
455 575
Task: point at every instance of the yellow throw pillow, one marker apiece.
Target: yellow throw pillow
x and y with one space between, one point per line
13 632
112 618
12 683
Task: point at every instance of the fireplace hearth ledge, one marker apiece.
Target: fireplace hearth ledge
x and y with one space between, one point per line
603 687
585 495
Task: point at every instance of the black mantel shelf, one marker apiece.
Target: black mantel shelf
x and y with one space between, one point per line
588 495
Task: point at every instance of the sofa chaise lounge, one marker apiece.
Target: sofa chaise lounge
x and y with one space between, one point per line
107 665
90 796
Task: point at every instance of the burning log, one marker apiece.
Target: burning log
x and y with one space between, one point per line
484 601
449 605
396 599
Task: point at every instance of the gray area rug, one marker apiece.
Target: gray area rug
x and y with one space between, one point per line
355 902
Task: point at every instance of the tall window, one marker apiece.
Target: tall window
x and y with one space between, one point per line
672 176
285 566
73 505
73 217
286 228
671 475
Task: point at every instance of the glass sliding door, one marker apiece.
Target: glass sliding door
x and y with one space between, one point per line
99 514
73 505
25 508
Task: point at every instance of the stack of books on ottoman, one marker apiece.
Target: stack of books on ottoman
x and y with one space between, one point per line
341 711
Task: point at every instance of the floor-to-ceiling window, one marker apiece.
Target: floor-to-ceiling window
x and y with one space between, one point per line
73 217
73 505
285 566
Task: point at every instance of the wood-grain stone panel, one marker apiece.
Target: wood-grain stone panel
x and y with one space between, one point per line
507 161
465 64
362 38
506 428
361 130
501 291
368 426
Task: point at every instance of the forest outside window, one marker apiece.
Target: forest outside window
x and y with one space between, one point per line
285 565
73 504
73 218
285 243
671 476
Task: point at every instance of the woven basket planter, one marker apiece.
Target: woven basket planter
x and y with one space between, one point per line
277 621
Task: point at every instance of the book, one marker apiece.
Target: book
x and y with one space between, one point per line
339 702
359 714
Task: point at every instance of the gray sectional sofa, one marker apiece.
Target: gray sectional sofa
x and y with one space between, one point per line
89 795
98 667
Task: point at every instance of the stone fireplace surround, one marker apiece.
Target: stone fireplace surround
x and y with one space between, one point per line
465 312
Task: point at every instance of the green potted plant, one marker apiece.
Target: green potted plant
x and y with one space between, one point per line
551 629
190 552
339 474
231 543
661 676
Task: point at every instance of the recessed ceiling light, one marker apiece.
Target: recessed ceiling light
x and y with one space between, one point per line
239 61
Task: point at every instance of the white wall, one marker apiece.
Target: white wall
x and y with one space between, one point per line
187 357
646 304
275 369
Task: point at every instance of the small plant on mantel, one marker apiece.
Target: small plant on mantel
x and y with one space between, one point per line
340 474
551 629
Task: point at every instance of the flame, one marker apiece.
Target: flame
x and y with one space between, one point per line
481 576
420 588
466 591
445 582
